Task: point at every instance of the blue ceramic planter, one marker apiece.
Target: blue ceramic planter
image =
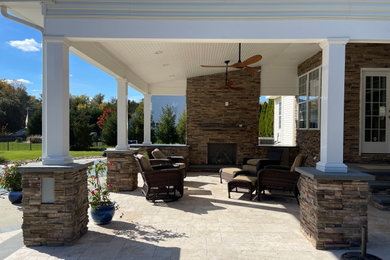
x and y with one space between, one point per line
15 197
103 214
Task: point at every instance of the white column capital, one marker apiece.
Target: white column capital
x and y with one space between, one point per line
56 39
334 41
122 81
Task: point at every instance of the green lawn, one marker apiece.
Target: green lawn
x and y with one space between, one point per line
25 151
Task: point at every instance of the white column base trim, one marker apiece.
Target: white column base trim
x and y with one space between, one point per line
147 143
332 167
57 160
121 148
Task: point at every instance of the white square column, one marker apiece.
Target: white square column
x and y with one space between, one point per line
55 103
332 106
122 115
147 118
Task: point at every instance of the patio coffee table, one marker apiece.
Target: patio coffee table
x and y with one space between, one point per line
245 182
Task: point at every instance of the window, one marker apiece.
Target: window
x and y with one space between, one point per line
309 100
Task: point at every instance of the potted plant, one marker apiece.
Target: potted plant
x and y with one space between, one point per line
102 208
11 180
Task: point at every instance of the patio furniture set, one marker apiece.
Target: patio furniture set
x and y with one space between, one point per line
264 174
163 175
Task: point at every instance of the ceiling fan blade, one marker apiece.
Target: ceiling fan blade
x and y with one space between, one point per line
251 60
250 69
211 66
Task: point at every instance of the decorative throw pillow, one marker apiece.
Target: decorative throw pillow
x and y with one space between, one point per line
297 162
157 154
145 164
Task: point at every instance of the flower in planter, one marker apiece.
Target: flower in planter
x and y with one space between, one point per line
11 179
99 194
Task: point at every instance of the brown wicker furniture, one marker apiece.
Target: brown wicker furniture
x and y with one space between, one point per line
280 178
177 160
252 166
243 184
160 184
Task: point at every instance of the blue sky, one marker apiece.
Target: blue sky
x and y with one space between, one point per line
21 59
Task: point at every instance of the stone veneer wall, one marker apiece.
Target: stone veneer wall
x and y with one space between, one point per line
206 97
332 212
123 174
358 56
59 223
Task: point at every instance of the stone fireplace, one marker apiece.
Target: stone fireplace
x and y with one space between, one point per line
221 154
217 115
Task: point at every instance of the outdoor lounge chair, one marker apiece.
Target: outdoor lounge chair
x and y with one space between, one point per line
251 167
176 161
160 184
280 178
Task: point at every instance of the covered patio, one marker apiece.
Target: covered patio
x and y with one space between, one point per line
162 56
204 224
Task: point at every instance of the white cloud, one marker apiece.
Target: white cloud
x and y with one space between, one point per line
26 45
18 81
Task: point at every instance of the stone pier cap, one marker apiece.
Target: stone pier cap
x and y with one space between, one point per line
351 175
39 167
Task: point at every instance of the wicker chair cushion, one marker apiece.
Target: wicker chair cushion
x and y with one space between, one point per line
253 161
249 168
297 162
181 165
231 171
145 164
157 154
250 179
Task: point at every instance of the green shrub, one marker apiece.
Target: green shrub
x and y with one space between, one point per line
109 133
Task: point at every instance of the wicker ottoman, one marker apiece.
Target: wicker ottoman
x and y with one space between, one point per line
228 173
247 183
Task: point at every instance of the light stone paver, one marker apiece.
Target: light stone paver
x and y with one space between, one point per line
204 224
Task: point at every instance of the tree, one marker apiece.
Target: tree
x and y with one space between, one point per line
80 131
136 127
14 102
109 133
181 128
34 125
166 130
266 120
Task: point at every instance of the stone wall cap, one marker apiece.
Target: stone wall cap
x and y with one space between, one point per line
351 175
112 150
39 167
277 145
159 145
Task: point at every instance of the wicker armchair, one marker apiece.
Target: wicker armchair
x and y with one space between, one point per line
280 178
160 183
176 160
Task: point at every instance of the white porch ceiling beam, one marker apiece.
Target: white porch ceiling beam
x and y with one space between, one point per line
98 56
299 31
169 88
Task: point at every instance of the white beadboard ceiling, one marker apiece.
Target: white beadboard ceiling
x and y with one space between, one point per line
161 61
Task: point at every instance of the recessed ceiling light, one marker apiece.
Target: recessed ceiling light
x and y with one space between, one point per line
172 76
165 65
158 52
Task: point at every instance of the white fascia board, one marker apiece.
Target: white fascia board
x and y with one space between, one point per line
99 57
293 31
169 88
